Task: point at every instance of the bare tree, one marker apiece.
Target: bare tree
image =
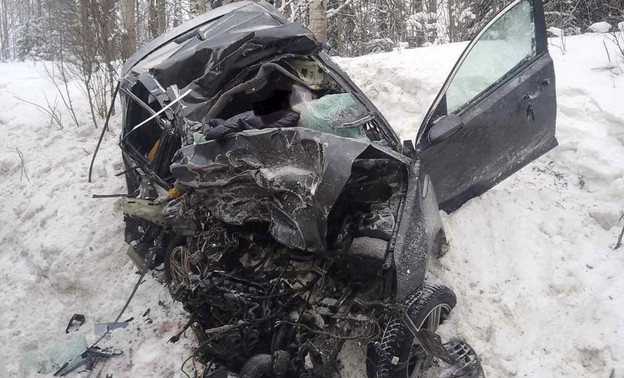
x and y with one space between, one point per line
153 19
58 71
177 13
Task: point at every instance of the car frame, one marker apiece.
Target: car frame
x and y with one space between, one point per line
457 155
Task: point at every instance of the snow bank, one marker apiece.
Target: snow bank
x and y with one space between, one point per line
63 252
600 27
540 290
539 287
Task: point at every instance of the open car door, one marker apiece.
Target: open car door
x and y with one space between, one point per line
496 111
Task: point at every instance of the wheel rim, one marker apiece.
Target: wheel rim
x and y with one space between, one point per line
435 317
432 321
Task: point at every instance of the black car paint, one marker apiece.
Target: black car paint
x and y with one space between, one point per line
418 231
209 61
180 30
499 136
419 227
497 139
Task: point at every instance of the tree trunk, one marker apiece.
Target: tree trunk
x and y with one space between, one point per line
153 19
432 6
138 21
201 6
161 12
318 19
451 21
4 46
129 40
177 13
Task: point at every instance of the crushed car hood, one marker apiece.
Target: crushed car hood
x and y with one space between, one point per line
290 178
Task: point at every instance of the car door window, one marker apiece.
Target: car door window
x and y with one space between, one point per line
507 43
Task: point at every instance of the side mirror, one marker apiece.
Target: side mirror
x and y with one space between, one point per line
444 127
408 149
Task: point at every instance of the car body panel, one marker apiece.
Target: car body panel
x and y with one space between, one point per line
504 128
418 227
180 30
290 177
207 62
496 140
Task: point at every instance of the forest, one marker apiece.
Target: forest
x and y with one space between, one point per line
89 39
532 268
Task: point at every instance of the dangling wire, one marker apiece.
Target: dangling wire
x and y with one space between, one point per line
108 115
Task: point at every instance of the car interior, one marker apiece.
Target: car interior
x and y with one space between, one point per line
290 91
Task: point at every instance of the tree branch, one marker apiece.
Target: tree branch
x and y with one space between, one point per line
332 12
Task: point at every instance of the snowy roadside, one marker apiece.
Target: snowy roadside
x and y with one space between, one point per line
64 252
539 287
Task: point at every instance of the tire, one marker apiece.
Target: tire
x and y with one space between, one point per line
398 342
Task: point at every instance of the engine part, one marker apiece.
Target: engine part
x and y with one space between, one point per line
257 366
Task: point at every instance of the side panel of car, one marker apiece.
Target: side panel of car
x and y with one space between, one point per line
497 139
419 226
496 112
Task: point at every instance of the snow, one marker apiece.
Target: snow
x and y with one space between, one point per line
600 27
556 31
540 289
62 251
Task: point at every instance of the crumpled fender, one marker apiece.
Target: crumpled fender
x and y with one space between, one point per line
289 177
292 177
418 226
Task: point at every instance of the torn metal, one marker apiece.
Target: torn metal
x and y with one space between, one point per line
289 178
217 54
273 194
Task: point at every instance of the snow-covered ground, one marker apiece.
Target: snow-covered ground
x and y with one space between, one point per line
541 291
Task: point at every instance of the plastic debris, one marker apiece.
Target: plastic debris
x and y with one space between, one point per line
76 321
101 328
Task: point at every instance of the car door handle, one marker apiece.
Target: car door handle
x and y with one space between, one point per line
532 95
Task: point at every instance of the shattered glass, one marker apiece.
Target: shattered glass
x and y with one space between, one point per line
50 361
338 114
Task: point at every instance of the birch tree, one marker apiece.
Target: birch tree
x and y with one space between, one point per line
129 37
318 19
4 45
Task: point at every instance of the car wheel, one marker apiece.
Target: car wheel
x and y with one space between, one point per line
399 355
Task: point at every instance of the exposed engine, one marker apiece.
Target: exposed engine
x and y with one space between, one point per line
250 296
287 214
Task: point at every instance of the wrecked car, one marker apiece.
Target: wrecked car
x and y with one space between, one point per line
287 215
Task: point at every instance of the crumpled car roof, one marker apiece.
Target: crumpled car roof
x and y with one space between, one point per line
206 54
